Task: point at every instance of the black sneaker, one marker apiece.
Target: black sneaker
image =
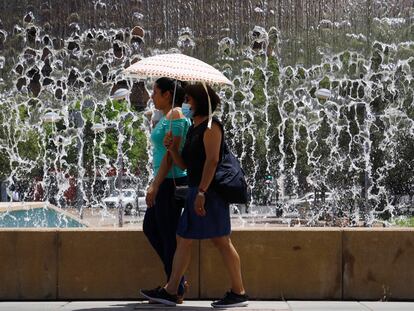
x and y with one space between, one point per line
231 300
151 292
160 296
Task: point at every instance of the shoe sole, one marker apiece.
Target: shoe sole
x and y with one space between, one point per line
234 305
159 300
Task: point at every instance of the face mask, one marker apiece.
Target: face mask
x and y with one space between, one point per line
187 112
156 115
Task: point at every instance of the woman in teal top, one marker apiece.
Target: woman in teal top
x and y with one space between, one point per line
163 211
179 128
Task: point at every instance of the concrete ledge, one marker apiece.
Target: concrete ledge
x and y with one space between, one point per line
378 264
280 263
28 264
113 264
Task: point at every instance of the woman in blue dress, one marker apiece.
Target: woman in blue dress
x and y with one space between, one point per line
163 211
206 215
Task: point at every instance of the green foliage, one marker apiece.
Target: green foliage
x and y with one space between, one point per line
259 99
376 60
352 70
344 58
112 109
23 112
325 83
273 68
87 114
138 152
238 96
400 178
303 169
289 106
4 164
404 222
109 147
301 74
29 149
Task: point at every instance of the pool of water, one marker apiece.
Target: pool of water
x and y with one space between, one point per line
37 218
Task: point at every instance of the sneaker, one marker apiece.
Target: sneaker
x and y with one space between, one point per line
231 300
160 296
180 298
151 292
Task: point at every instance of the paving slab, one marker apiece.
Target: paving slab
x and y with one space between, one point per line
326 306
198 305
388 306
206 305
133 305
32 305
100 306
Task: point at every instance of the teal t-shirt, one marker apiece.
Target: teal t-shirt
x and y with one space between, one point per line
179 128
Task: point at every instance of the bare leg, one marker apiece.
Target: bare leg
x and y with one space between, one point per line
232 262
181 261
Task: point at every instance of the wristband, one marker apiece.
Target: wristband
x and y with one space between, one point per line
200 193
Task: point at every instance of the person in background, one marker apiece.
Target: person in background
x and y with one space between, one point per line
163 212
206 215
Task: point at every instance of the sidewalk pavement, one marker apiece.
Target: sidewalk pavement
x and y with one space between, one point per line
198 305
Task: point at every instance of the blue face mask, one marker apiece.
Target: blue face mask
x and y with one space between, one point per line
156 115
186 109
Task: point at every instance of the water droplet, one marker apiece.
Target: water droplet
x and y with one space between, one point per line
138 16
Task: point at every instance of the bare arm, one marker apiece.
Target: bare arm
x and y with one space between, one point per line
176 157
212 143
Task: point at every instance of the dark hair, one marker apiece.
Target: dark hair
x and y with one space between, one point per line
199 94
168 85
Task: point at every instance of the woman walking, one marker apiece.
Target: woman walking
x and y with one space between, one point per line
206 215
163 211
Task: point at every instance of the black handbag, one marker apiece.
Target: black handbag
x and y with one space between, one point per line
180 195
229 180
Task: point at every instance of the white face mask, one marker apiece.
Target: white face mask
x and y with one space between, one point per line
156 115
186 109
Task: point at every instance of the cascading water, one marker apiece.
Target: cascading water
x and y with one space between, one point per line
321 113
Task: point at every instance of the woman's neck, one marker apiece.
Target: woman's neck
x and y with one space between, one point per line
199 119
166 110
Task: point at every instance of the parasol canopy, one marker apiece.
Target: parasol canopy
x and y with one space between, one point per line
176 66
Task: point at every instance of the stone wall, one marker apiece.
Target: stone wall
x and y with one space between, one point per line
283 263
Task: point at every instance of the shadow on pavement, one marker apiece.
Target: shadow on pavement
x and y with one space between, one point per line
146 306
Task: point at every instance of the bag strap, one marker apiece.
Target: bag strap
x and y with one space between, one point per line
223 145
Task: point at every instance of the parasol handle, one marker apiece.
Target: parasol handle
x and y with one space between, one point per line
210 117
171 118
173 104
